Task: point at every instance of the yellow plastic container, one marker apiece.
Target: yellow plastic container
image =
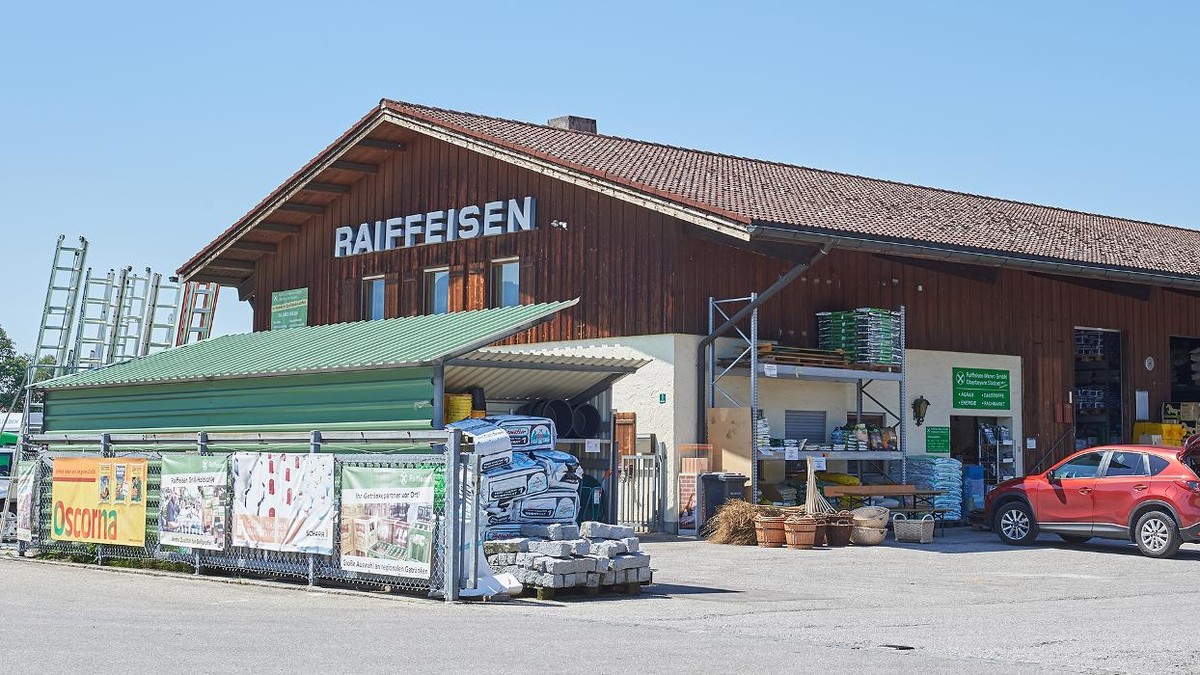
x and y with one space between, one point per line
458 407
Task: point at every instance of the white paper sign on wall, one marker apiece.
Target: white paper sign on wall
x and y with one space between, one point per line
818 463
770 370
591 446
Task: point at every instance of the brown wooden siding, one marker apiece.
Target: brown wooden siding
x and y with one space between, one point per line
637 274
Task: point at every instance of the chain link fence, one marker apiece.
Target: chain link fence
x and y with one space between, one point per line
438 452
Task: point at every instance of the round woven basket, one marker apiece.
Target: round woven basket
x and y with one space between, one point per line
800 532
870 516
867 536
769 531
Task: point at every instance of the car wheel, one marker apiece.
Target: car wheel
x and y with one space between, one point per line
1014 524
1157 535
1074 538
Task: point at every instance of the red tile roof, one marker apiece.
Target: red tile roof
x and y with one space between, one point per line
749 190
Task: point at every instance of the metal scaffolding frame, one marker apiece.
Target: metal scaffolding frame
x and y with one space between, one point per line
747 360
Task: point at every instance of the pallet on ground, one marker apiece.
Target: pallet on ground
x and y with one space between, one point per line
546 593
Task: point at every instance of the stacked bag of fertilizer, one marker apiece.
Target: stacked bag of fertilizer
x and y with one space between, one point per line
867 335
944 474
523 480
568 556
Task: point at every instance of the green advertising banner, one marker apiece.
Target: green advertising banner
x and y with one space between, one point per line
387 520
192 497
981 389
937 440
289 309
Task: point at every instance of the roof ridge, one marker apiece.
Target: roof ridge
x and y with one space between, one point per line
756 160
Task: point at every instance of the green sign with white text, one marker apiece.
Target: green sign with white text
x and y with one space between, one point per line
289 309
937 440
981 389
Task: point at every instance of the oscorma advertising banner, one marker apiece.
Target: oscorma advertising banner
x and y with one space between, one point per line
387 521
283 502
100 500
191 506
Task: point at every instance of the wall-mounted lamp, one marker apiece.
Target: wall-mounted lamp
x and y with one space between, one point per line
919 406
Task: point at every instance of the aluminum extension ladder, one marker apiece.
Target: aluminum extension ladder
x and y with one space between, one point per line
96 333
196 311
58 312
162 316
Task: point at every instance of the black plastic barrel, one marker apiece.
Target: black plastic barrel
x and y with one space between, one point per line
557 411
585 421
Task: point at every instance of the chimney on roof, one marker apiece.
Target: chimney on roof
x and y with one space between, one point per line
573 123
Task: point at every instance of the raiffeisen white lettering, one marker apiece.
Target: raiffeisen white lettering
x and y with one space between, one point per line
362 243
412 227
343 243
435 227
492 219
520 217
468 222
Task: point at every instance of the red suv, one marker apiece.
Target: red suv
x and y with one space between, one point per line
1147 494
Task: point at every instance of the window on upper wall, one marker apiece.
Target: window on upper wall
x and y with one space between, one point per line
437 290
372 298
505 283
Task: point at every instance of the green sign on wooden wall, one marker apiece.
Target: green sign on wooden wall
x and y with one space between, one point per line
937 440
981 389
289 308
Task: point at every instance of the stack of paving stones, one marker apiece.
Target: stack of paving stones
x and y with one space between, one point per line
590 556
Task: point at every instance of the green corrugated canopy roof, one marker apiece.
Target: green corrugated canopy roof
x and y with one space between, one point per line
361 345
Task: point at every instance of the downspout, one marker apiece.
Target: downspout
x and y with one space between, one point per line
702 362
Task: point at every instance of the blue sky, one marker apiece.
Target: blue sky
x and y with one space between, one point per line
151 128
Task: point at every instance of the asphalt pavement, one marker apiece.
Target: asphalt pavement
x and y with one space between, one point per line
963 603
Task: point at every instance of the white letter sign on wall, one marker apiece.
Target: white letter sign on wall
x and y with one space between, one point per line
435 227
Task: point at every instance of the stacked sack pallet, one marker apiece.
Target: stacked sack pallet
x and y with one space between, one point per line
523 480
553 557
944 474
868 335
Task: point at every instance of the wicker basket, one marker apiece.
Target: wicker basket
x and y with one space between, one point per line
800 532
837 532
769 531
819 538
914 531
871 516
868 536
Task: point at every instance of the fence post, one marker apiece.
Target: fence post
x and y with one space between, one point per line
453 507
473 505
314 446
106 450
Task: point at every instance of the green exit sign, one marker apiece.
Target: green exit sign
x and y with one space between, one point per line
981 389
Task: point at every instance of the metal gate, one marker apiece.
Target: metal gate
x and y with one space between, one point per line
642 493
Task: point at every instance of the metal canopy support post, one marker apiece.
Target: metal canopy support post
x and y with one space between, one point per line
439 395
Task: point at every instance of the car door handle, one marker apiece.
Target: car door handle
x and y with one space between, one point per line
1139 487
1085 490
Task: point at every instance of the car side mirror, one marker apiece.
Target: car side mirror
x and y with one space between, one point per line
1051 477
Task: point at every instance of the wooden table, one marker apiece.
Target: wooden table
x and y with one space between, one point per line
914 501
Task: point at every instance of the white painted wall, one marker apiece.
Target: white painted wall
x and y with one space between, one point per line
672 371
930 375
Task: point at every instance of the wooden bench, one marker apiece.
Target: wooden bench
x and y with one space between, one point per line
914 502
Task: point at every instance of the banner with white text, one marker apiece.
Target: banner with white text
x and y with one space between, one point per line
387 521
191 511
